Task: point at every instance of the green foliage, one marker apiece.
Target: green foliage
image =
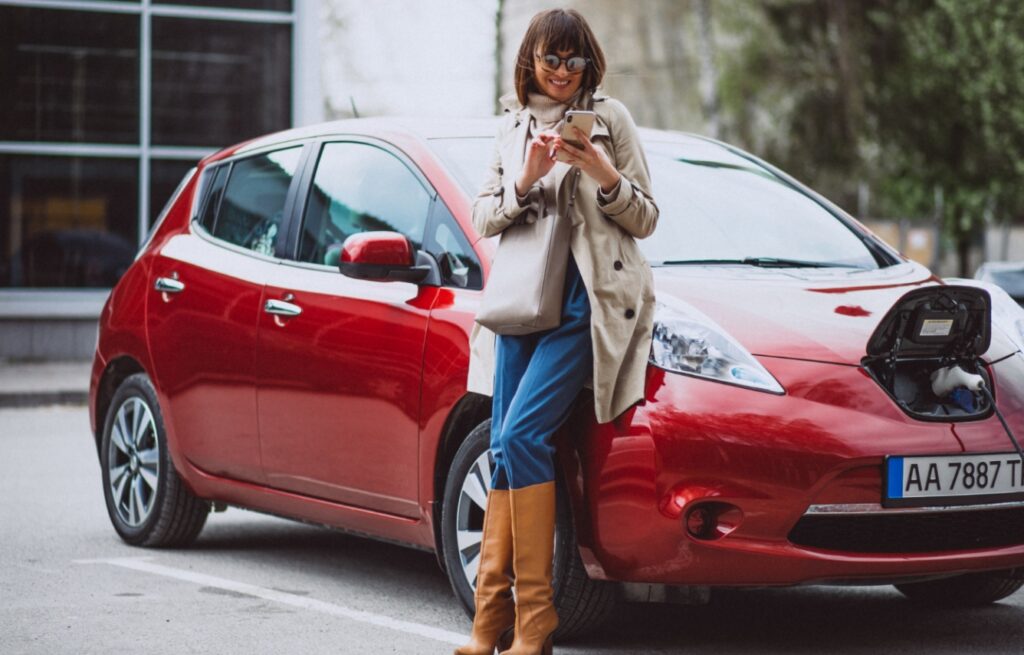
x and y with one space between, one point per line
917 98
952 111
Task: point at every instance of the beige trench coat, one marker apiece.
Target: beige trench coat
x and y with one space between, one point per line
618 279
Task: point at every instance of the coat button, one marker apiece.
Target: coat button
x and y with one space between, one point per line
630 313
617 265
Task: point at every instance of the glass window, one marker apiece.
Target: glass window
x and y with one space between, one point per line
266 5
164 177
717 205
69 76
212 188
714 205
67 221
219 82
360 188
449 246
252 210
467 158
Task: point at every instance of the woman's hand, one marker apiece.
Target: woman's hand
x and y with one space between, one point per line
591 160
539 160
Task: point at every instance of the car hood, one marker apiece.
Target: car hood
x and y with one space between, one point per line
818 314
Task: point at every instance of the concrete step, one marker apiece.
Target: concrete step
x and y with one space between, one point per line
35 383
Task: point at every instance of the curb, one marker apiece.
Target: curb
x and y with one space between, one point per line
43 398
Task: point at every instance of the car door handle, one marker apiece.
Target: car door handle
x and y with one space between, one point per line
168 285
281 308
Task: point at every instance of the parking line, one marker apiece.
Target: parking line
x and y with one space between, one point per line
408 627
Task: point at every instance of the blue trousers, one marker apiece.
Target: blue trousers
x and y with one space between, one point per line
536 379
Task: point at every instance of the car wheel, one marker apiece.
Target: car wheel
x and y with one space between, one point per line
969 590
147 501
582 603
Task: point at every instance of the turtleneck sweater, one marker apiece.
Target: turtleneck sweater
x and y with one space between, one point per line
545 113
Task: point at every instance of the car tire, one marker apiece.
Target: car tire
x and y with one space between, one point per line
969 590
147 501
582 603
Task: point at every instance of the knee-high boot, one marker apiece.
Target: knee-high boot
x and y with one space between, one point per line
495 613
533 536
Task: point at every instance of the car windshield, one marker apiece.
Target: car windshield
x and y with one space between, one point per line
716 208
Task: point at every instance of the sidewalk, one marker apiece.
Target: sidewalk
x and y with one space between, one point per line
31 384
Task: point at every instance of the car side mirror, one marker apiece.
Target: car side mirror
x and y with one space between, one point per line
381 256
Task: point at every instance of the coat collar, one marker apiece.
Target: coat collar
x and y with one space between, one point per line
510 101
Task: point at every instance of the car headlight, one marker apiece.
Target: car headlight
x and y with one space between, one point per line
686 341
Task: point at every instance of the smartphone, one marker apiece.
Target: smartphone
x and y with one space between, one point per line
576 118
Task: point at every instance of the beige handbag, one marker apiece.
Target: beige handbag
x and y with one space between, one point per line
524 290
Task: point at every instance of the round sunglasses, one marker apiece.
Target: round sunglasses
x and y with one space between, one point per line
572 64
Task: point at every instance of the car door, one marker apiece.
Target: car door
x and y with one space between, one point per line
203 312
339 362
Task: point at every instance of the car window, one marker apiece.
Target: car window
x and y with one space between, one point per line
252 208
212 188
714 205
450 247
360 188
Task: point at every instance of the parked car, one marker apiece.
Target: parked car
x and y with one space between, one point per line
293 339
1007 275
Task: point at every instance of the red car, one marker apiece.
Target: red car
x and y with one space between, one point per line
293 338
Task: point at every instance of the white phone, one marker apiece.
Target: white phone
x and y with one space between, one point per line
575 118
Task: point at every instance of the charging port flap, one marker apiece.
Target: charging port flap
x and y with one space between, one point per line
926 353
938 321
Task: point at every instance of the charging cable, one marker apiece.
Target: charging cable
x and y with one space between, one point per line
988 394
948 379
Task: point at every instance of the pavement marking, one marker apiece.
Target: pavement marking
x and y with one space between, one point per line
144 564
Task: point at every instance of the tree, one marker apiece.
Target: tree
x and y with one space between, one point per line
951 113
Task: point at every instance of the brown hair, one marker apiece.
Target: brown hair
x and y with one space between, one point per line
553 30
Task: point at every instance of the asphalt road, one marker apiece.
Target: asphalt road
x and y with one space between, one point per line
255 584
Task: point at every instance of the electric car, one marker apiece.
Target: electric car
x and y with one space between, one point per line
292 338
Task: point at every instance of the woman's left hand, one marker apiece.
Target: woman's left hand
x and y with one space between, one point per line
591 160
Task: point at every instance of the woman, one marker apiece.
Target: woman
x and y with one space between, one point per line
607 313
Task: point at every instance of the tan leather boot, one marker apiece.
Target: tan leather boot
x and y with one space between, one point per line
533 538
495 611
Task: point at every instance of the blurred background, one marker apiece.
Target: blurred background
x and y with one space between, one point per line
907 113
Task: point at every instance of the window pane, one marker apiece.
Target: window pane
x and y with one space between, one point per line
67 221
219 82
459 265
213 189
717 205
251 212
164 177
69 76
268 5
359 188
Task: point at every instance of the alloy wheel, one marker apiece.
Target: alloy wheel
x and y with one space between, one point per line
133 461
469 517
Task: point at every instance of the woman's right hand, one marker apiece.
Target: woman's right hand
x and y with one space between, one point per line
539 160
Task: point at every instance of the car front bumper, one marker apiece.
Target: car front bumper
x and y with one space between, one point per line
767 464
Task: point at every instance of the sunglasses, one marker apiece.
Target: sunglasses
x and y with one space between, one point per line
572 64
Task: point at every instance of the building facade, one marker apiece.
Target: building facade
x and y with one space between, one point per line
109 103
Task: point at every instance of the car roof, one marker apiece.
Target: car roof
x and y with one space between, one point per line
417 127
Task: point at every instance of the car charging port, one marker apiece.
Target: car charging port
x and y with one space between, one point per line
926 353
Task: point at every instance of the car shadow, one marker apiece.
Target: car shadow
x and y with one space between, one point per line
812 620
763 620
325 554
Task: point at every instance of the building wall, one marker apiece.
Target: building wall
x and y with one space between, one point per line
393 57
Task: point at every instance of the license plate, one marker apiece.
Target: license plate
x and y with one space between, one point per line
952 479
